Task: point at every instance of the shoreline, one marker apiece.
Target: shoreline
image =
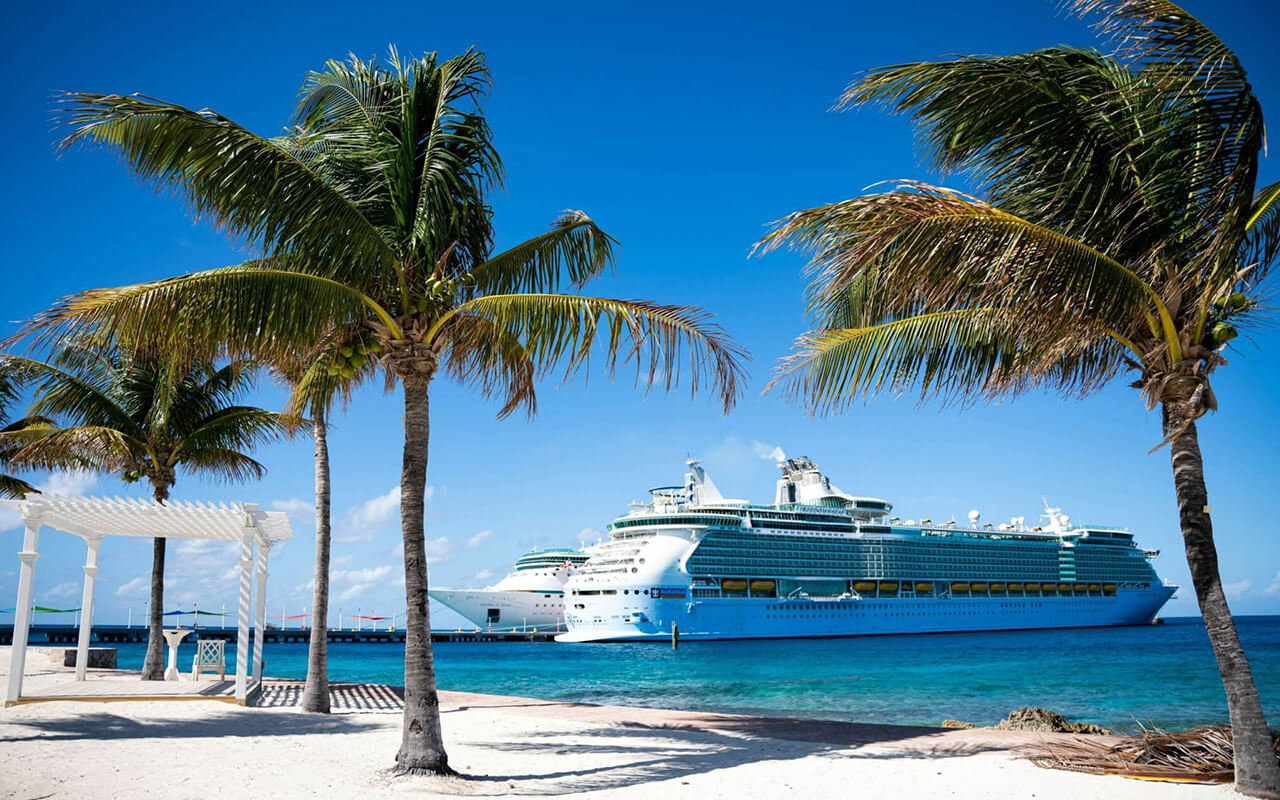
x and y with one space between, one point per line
507 746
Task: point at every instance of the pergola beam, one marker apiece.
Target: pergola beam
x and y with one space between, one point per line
94 518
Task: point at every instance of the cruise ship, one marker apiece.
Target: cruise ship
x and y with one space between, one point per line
530 596
820 562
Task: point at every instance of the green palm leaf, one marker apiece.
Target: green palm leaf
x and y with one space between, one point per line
561 331
575 249
962 354
936 249
233 310
248 185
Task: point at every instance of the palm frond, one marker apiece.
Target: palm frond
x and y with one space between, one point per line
234 428
561 331
225 465
249 186
935 249
89 447
232 310
78 396
1262 238
961 354
574 250
478 353
1064 137
15 488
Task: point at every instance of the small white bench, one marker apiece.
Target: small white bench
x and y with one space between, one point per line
210 657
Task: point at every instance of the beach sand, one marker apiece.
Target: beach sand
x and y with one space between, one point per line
504 746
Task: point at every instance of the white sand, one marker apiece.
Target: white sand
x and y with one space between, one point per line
506 746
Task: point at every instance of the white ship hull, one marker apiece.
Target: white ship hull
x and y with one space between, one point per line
504 610
768 618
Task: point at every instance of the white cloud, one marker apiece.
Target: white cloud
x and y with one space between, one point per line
484 575
343 560
1274 588
363 575
588 536
300 511
438 549
768 452
1236 589
138 587
65 589
479 538
355 591
365 522
69 483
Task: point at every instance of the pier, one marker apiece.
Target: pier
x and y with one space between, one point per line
124 634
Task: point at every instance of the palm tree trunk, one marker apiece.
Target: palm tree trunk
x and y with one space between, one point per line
153 663
1257 770
421 744
315 697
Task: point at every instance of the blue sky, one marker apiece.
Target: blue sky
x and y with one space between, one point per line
682 132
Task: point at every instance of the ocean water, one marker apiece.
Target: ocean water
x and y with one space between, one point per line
1161 675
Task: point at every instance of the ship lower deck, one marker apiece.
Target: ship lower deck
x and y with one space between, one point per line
764 618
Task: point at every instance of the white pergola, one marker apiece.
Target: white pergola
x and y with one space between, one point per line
93 518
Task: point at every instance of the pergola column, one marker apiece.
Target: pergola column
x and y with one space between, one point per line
260 620
22 611
242 615
86 606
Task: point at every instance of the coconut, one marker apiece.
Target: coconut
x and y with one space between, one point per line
346 350
1224 332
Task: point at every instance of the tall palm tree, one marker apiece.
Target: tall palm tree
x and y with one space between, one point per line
10 486
316 381
372 215
139 419
1121 230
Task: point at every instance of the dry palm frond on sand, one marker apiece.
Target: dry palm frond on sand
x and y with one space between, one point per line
1203 755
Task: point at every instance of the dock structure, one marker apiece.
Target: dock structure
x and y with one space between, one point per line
125 634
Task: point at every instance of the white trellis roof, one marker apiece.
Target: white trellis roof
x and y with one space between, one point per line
93 517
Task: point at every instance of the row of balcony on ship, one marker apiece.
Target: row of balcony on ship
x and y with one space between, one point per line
768 587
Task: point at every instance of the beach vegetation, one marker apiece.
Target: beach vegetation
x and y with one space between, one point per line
370 215
142 419
1114 226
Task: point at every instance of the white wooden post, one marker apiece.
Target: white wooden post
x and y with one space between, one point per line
242 615
22 613
260 623
86 606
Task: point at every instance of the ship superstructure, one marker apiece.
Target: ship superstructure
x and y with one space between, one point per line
531 595
822 562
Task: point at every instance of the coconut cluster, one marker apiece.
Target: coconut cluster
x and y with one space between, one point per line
1219 330
349 358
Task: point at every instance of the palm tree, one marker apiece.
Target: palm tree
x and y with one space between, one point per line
10 486
1121 230
372 215
144 419
315 383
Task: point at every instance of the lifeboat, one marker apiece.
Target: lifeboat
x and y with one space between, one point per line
1095 587
959 587
997 588
979 587
1109 588
1015 587
924 586
1064 588
864 586
1048 587
763 586
888 586
1081 588
733 585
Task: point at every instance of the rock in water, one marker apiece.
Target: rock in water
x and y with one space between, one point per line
955 723
1046 721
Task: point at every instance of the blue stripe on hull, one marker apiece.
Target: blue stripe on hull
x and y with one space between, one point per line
749 618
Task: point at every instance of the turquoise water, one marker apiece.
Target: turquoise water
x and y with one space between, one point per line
1159 674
